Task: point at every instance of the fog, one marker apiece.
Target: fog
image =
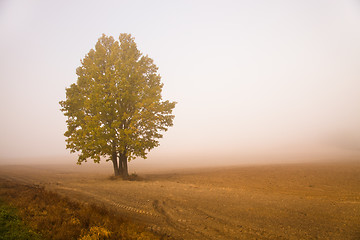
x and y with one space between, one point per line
255 81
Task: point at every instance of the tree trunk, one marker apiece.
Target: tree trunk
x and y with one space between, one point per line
126 172
121 167
115 164
123 164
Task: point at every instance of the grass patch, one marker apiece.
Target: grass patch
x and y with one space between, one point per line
135 177
12 227
57 217
131 177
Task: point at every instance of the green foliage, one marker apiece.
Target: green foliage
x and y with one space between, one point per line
116 105
11 226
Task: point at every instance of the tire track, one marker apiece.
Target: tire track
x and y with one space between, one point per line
110 202
187 231
18 179
204 227
240 229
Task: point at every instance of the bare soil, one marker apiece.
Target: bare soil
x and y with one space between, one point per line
294 201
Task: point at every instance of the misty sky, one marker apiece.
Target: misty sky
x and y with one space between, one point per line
248 76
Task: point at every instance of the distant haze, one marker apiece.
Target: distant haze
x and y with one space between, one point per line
255 81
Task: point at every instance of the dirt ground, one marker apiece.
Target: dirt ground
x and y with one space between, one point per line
294 201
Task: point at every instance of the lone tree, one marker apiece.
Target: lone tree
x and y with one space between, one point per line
115 110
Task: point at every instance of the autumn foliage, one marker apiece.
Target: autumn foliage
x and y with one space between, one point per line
115 109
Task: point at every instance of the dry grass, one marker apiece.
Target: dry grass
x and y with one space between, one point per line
56 217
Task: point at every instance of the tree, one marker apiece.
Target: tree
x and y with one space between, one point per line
115 110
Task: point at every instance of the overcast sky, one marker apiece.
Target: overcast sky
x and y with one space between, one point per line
248 76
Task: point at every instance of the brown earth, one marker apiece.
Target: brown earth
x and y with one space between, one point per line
294 201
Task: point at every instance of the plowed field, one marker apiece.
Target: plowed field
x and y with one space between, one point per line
295 201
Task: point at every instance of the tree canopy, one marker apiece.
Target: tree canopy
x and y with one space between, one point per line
115 109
